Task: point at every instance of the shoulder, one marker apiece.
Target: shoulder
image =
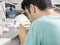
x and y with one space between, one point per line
42 22
39 21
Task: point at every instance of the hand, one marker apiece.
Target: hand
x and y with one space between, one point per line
22 34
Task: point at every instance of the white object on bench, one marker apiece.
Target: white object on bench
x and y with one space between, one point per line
5 41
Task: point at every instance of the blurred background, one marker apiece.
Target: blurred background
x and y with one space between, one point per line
15 6
11 15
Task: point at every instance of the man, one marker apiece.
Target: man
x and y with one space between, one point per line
45 27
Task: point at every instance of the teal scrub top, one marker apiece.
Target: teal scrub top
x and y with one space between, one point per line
44 31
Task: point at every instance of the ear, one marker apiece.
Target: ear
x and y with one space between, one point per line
32 8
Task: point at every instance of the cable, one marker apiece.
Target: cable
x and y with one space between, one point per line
55 7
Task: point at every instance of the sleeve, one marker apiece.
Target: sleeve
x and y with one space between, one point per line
34 35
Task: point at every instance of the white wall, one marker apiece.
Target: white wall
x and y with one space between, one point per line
55 1
18 7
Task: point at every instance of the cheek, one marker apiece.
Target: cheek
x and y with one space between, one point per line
29 17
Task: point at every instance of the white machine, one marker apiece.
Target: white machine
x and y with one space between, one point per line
17 3
2 10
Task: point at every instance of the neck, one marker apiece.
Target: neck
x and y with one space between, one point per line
47 12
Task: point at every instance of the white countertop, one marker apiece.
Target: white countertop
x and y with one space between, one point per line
11 34
4 41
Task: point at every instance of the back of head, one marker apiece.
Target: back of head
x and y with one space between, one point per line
41 4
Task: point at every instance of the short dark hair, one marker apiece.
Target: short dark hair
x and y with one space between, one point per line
41 4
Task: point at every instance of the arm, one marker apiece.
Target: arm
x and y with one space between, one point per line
34 35
22 34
